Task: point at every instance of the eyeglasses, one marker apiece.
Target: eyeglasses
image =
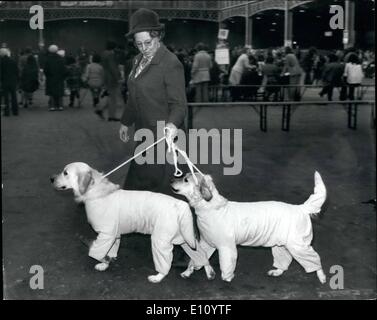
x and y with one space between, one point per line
145 44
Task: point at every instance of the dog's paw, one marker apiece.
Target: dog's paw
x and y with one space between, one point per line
321 276
275 272
156 278
211 274
228 279
187 273
101 266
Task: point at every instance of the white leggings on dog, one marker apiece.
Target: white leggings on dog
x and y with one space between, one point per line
304 255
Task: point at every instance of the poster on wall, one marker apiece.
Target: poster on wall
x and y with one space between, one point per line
223 34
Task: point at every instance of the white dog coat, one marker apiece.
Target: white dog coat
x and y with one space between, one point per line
285 227
167 219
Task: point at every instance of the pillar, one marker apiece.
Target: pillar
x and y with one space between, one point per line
249 31
129 14
288 23
41 41
349 30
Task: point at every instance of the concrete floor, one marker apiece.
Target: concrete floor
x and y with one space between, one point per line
40 225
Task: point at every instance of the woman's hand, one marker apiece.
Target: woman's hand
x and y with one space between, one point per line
172 132
123 133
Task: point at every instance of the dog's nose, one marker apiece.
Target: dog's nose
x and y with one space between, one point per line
52 179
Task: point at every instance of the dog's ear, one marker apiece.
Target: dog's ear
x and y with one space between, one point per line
205 190
84 180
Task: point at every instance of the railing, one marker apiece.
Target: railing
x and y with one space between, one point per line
224 93
288 107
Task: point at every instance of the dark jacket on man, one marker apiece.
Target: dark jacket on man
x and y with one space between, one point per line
9 73
55 72
111 68
333 73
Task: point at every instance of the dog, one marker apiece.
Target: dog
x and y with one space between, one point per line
223 224
113 212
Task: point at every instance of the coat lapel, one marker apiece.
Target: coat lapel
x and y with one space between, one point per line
155 60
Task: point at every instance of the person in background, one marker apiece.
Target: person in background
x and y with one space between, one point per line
29 79
83 58
332 76
200 76
73 80
271 74
24 54
94 77
55 72
353 74
293 70
308 64
252 78
112 80
215 75
319 64
239 68
9 80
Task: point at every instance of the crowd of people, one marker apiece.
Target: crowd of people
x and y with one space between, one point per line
249 74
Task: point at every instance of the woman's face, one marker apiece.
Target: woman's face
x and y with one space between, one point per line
146 44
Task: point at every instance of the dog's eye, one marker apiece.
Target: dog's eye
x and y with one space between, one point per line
65 172
185 180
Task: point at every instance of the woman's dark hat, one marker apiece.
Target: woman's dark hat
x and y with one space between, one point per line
144 20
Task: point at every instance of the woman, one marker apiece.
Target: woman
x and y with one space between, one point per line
73 80
353 72
29 79
156 88
239 68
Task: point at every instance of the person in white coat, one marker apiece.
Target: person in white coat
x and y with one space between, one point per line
353 72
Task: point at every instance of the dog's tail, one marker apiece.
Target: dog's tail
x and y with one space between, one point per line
313 205
186 225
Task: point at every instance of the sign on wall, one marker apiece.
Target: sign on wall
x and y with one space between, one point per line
86 3
223 34
222 56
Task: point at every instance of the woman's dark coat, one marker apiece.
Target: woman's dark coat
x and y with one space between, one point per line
157 94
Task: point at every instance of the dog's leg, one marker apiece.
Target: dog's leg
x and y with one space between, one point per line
211 274
188 272
104 264
282 260
321 276
228 261
209 252
156 278
275 272
162 252
309 259
199 258
101 266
